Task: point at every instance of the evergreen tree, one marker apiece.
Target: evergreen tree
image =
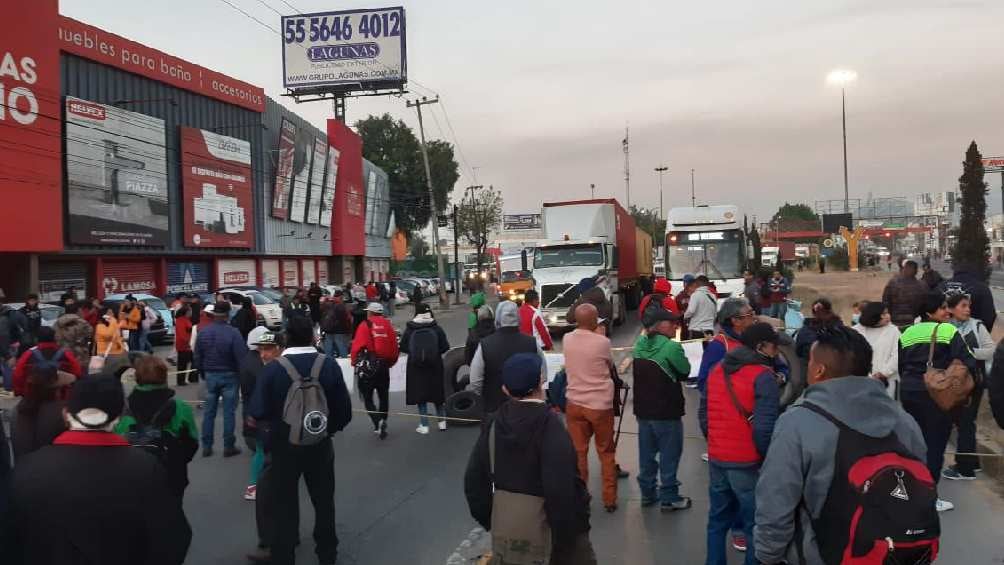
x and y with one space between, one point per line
972 248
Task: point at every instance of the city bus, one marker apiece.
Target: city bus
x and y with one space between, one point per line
706 240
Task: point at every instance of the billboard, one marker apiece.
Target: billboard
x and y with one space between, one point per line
349 221
832 222
316 181
216 187
328 195
116 170
284 170
301 167
516 222
353 49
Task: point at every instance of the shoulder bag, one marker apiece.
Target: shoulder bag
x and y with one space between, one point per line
951 387
520 532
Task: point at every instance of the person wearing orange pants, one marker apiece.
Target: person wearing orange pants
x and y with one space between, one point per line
584 423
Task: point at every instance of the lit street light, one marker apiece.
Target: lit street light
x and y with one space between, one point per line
842 77
661 169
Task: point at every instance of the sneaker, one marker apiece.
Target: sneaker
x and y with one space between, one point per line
610 508
207 451
646 502
691 384
739 542
977 469
704 457
422 429
953 474
621 473
231 451
682 504
943 505
442 425
251 493
383 429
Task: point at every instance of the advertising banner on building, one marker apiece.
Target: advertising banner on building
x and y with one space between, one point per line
187 277
236 272
31 147
116 170
309 269
301 179
322 271
216 188
290 272
125 277
518 222
270 273
284 170
348 224
364 49
328 195
316 181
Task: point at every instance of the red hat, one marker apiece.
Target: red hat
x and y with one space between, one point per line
662 286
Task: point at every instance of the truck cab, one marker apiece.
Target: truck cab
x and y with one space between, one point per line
559 266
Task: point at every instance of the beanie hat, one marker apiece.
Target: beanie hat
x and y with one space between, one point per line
485 312
662 286
586 284
221 308
506 314
521 374
95 402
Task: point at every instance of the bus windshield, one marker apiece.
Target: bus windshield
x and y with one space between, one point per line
715 254
587 255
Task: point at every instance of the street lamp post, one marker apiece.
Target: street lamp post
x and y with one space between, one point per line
661 169
842 77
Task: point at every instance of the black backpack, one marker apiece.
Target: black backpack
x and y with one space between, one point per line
654 305
880 509
423 347
47 367
149 436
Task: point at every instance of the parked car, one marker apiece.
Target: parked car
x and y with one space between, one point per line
50 312
408 287
275 294
162 330
268 312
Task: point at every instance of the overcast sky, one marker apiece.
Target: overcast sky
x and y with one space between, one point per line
539 93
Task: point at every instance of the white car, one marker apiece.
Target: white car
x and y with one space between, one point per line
269 311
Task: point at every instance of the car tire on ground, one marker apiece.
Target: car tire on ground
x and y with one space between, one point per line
465 405
453 362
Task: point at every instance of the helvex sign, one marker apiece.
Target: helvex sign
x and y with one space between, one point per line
98 45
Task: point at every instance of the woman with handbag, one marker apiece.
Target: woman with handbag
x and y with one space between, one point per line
108 343
931 352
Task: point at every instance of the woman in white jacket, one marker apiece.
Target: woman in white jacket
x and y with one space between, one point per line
876 325
977 337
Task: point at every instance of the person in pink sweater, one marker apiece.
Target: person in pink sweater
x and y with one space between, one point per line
590 399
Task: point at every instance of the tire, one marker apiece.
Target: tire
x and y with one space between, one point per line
454 368
621 313
467 405
796 378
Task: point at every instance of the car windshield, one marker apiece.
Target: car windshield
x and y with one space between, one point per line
587 255
275 295
260 299
50 314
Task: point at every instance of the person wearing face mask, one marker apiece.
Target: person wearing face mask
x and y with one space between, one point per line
739 409
875 324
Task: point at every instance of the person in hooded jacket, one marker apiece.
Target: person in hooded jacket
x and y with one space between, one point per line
75 334
476 302
533 456
38 417
494 350
971 280
662 291
800 463
484 327
244 317
32 314
425 343
48 348
152 403
701 310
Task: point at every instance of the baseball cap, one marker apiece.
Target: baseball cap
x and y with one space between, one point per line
374 307
521 374
266 338
254 335
221 308
759 333
687 279
656 315
96 401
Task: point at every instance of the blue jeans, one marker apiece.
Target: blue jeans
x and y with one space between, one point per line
336 345
731 492
220 384
423 409
665 438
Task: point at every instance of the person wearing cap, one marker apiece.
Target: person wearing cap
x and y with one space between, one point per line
262 348
115 507
219 351
315 462
152 403
662 291
533 456
741 407
49 349
660 365
493 351
378 338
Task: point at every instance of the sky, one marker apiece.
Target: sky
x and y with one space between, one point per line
538 94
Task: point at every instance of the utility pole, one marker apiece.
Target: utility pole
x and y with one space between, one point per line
456 260
417 104
592 190
627 165
693 199
843 120
661 169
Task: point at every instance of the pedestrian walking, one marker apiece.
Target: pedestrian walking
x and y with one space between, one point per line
109 346
875 324
804 499
160 423
493 351
977 338
932 343
45 352
114 508
336 325
299 441
751 290
701 310
683 300
905 295
741 405
522 483
183 345
779 288
425 343
532 323
374 351
219 350
660 365
590 399
38 419
314 294
75 334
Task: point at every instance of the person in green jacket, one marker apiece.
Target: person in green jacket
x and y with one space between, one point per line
477 301
152 407
660 365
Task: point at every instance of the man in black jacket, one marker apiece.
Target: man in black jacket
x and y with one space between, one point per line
114 508
972 281
494 350
533 456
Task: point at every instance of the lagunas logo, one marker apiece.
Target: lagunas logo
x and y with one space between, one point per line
87 110
351 51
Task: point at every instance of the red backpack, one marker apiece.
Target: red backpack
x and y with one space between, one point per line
880 509
383 340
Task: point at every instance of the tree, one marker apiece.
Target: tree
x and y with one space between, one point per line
648 220
795 217
477 217
754 237
393 146
417 246
972 248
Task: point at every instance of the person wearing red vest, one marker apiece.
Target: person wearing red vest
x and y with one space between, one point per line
532 323
662 289
740 408
376 336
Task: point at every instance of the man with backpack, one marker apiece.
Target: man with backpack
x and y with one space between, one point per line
828 452
522 482
46 352
374 351
425 343
336 325
302 399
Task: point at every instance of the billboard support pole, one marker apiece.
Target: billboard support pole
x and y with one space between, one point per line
417 104
338 106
